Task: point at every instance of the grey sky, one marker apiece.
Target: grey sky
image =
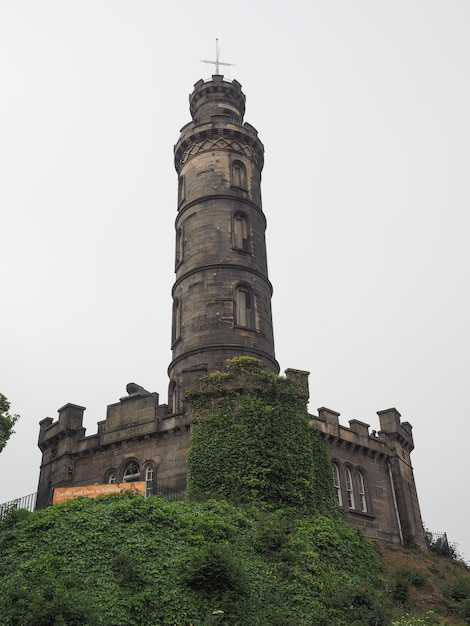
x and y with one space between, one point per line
363 108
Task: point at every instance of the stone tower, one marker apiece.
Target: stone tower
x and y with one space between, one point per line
222 294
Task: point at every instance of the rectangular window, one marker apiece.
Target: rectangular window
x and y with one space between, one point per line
243 304
337 485
349 488
362 492
240 232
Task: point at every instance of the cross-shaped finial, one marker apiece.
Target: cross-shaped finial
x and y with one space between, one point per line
217 63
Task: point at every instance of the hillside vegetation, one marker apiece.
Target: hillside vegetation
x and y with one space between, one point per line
128 561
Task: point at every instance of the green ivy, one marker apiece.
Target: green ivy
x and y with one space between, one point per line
252 441
122 561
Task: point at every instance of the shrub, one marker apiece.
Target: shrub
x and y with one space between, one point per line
213 569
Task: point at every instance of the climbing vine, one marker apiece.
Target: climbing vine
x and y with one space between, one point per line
252 441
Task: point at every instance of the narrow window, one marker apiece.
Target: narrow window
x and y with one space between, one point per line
111 478
238 175
179 247
149 480
181 188
131 473
240 232
176 326
243 304
173 397
362 491
349 488
337 484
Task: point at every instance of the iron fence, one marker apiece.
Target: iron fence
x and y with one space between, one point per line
29 502
26 502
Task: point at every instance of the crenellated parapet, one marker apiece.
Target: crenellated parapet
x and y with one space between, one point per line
217 96
69 425
395 430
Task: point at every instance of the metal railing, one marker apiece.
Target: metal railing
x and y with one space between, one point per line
29 502
166 492
26 502
439 544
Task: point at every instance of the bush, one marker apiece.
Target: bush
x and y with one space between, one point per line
406 577
213 569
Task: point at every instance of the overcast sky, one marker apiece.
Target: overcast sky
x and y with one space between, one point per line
363 108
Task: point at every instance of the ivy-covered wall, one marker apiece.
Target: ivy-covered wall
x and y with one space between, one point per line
251 440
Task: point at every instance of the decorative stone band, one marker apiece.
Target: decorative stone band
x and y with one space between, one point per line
237 141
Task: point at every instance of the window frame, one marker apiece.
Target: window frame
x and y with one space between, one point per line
349 488
244 307
179 246
176 321
361 490
238 175
135 477
240 232
149 474
337 483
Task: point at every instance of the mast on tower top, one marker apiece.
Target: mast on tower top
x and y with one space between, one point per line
217 62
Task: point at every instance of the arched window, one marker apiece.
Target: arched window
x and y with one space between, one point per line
149 472
179 247
349 488
238 174
176 326
240 231
173 396
337 484
131 473
244 306
362 491
110 477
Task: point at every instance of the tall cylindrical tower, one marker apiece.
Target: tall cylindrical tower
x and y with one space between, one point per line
221 295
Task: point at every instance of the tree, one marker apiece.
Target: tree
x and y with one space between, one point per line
7 421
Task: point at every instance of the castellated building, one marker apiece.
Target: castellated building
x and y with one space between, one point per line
222 309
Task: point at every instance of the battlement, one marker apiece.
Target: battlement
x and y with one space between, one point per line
391 429
217 97
69 424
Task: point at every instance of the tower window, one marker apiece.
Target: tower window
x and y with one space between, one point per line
244 307
176 326
337 484
179 246
240 231
349 488
173 397
181 188
238 173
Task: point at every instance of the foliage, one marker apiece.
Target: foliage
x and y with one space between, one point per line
426 619
130 561
441 546
405 578
251 440
460 598
7 421
122 560
426 589
213 569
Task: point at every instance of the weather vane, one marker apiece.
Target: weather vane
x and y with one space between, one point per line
217 63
